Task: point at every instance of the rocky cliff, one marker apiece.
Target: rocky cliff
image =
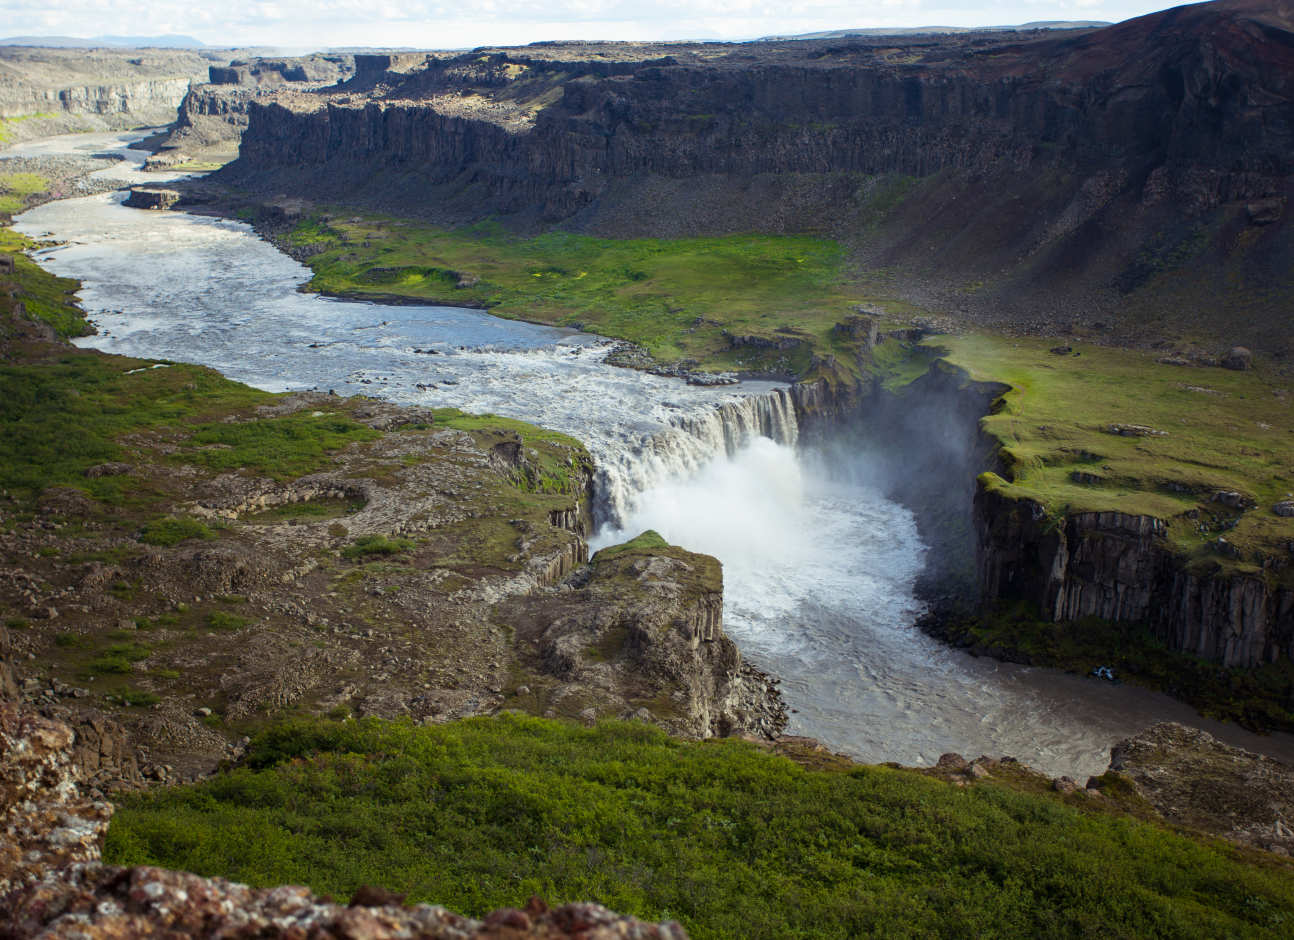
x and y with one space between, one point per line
103 88
640 634
1120 567
212 116
1096 162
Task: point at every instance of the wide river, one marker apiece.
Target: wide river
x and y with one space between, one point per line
818 572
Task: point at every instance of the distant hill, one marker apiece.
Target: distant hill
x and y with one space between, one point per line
938 30
169 41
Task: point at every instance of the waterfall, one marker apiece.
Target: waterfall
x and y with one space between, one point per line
692 442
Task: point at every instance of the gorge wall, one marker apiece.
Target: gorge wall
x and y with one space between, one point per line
213 115
923 445
104 88
1120 567
1078 170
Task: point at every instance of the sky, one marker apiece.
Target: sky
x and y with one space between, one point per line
452 24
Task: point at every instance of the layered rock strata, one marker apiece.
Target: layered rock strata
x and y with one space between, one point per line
1062 174
1120 567
105 88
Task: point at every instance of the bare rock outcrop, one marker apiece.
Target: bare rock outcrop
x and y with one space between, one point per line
639 634
1120 567
1194 780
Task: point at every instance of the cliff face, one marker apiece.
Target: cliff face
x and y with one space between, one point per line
1070 175
1180 91
1119 567
109 88
640 634
212 116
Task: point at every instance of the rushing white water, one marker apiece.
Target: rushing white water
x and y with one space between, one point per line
819 571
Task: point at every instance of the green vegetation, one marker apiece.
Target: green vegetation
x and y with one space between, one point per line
310 509
117 659
7 123
673 296
283 447
1261 699
370 545
730 840
221 620
17 188
46 298
1221 431
645 543
60 417
173 530
134 698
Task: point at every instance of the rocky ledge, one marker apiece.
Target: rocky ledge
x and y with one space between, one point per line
1194 780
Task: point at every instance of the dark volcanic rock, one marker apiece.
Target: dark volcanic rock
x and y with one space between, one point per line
142 198
1119 567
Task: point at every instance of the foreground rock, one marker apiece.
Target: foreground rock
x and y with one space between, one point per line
1194 780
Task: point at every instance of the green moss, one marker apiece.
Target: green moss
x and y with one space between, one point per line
172 530
729 839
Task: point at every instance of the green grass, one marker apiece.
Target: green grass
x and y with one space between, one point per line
47 298
649 291
60 417
644 543
312 509
173 530
16 188
283 447
1224 431
728 839
220 620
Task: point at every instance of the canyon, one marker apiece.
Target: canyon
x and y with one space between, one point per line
199 576
1128 181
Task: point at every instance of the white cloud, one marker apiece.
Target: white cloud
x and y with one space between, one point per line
432 23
